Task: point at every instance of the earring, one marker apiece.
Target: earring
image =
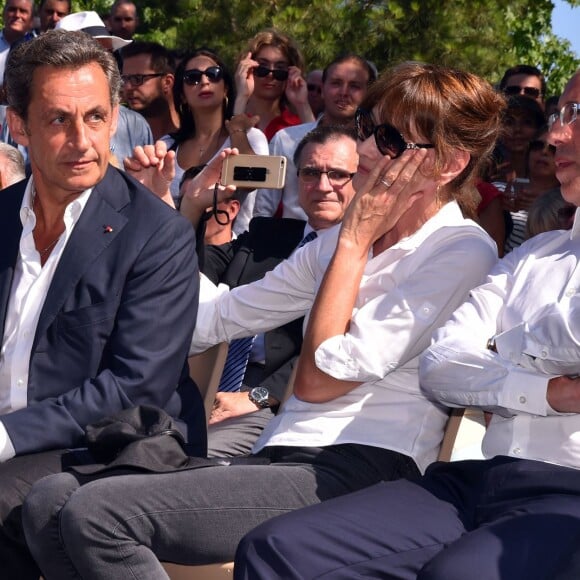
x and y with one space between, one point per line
226 101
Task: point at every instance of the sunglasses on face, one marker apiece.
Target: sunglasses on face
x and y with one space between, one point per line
517 90
539 145
192 77
279 74
388 140
138 80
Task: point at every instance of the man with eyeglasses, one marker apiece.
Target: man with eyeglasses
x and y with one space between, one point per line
148 78
513 350
526 80
327 160
344 85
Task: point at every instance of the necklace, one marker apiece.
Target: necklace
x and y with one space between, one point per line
49 247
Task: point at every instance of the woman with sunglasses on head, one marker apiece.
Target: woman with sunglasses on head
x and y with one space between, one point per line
374 290
269 83
204 95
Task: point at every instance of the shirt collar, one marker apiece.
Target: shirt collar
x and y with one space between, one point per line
71 214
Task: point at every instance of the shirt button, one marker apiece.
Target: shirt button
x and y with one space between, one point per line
570 292
517 451
523 400
19 382
544 354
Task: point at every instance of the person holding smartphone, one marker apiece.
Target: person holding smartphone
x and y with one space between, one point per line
204 95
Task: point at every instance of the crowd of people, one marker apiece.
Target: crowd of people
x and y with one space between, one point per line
422 254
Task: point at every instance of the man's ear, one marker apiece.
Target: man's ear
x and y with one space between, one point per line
17 127
167 83
456 163
233 209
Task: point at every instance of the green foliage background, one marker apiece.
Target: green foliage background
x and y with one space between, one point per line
483 36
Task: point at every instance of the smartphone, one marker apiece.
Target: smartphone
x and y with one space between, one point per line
254 171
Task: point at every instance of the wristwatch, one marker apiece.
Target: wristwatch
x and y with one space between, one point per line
260 396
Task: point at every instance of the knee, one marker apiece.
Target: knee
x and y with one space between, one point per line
46 499
263 553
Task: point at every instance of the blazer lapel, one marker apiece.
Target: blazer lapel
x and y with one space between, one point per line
98 226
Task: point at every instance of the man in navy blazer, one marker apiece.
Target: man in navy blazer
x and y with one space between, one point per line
98 279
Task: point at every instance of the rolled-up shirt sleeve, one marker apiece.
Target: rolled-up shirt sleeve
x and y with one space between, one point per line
284 294
400 307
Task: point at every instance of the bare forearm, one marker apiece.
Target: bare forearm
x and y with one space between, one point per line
330 316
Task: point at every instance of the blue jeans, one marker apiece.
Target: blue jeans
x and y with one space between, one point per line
120 527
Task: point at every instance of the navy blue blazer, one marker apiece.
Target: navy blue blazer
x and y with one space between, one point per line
117 321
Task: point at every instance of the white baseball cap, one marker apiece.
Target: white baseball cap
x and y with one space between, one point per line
91 23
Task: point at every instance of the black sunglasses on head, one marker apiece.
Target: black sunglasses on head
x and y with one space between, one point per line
192 77
517 90
389 141
279 74
539 145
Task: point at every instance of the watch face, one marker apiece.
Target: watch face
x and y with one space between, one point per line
260 394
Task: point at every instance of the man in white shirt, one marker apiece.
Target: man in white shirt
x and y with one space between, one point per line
513 350
98 279
344 85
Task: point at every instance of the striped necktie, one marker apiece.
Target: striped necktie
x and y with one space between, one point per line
236 363
308 238
240 349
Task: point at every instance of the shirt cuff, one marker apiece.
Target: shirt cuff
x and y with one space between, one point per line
7 450
525 391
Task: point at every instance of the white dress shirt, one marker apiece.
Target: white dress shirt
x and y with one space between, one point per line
531 304
406 293
284 143
29 288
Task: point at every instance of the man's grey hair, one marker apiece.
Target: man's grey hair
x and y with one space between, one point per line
13 164
59 49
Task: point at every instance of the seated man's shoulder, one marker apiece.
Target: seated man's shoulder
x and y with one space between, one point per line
289 229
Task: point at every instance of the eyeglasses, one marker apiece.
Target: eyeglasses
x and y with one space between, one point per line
517 90
138 80
192 77
389 141
279 74
539 145
567 115
336 177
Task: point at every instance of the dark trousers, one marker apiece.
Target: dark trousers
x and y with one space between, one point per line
120 527
236 436
505 519
16 478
